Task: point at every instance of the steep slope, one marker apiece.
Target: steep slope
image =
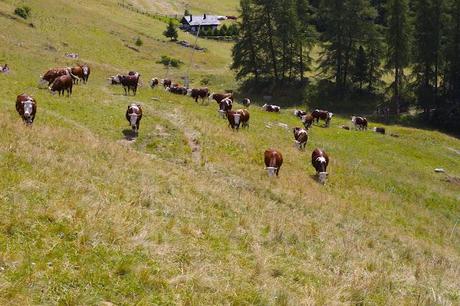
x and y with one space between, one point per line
186 213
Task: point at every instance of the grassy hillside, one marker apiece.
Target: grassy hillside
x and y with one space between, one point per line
223 7
186 214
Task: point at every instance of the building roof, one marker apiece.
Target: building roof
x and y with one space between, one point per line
206 20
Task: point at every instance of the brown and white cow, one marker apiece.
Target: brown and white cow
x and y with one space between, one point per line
246 102
380 130
307 121
129 82
320 161
323 115
244 117
177 89
199 93
300 113
134 116
26 106
271 108
301 137
166 83
78 72
218 97
234 120
360 123
273 161
225 106
154 82
61 84
86 73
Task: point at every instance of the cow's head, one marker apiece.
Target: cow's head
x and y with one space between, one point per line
265 106
353 119
28 107
133 114
322 177
189 92
85 70
271 171
51 89
236 118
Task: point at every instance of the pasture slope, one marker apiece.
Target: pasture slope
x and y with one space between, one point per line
186 214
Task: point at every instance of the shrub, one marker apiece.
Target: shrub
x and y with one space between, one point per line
167 60
171 31
22 11
138 42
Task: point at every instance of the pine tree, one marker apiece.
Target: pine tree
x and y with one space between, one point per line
398 44
361 67
171 31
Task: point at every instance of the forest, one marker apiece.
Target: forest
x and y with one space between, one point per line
385 57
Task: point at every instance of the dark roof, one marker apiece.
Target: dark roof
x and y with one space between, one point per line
201 19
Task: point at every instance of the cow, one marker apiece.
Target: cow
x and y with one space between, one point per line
301 137
199 93
271 108
225 106
234 120
86 73
380 130
5 69
323 115
218 97
129 82
54 73
178 90
360 123
244 117
61 84
77 71
26 106
320 161
273 161
246 102
307 121
166 83
300 113
134 116
154 83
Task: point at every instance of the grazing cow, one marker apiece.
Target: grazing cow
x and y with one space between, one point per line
300 113
234 120
53 74
380 130
244 117
166 83
273 161
178 90
271 108
225 106
320 161
61 84
129 82
4 69
246 102
201 93
134 116
307 121
323 115
154 82
360 123
301 137
77 71
218 97
26 106
345 127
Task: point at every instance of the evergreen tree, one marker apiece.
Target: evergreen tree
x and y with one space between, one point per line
361 67
171 31
398 44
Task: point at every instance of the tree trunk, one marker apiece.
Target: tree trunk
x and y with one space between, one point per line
270 42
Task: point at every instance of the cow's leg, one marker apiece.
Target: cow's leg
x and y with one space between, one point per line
126 92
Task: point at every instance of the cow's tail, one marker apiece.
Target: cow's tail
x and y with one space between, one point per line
73 76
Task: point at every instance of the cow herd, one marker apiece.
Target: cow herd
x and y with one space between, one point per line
61 80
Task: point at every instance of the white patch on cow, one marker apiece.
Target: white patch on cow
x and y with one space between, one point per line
321 159
85 70
271 171
133 119
211 96
322 176
329 115
28 107
265 106
237 118
189 92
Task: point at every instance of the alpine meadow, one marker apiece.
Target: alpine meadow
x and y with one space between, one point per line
186 210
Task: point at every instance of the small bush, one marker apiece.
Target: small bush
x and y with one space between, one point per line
22 11
166 60
139 42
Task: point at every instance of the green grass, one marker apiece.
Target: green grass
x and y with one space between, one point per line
88 217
